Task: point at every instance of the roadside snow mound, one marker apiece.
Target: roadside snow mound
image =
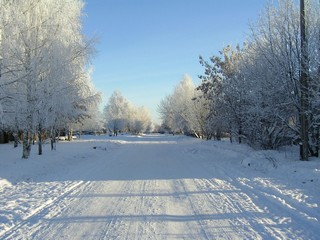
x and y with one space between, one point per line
4 183
262 160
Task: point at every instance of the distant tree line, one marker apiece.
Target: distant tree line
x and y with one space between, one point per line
45 82
122 116
253 93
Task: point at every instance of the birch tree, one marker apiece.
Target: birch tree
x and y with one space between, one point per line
116 113
122 116
44 66
183 111
261 92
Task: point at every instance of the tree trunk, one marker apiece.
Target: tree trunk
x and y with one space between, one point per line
318 142
28 129
304 85
15 139
26 145
40 140
219 134
53 139
317 136
240 134
69 134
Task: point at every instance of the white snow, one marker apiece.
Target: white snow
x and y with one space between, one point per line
157 187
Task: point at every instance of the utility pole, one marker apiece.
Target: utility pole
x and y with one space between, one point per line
304 86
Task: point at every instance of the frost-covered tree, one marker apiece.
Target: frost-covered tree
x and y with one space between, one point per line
277 39
116 113
122 116
236 84
44 78
275 46
93 123
256 90
182 111
211 92
141 121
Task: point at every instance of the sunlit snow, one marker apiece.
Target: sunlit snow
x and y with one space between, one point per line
157 187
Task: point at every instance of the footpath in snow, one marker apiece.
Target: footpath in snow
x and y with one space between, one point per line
157 187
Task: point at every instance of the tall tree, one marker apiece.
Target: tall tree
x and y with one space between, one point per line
44 73
304 133
116 113
180 110
122 116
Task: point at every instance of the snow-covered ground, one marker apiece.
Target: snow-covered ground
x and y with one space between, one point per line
157 187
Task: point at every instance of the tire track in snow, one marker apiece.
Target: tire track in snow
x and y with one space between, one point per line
247 219
268 200
198 205
272 191
22 227
205 204
61 204
276 204
271 207
144 209
64 205
117 212
195 210
214 211
134 213
120 204
74 217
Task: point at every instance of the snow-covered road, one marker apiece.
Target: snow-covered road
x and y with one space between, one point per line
153 187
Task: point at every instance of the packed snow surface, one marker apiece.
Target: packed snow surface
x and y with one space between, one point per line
157 187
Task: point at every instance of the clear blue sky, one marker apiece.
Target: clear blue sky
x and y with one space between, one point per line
146 46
